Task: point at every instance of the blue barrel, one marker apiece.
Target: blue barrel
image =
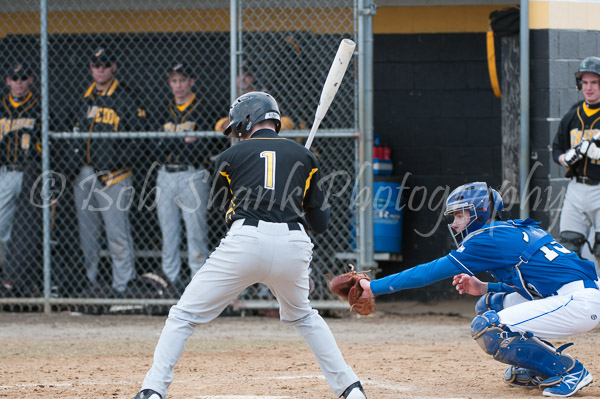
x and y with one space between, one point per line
387 215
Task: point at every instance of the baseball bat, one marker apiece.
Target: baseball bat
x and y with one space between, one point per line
332 84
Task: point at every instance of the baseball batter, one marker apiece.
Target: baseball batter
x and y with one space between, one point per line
544 291
576 146
270 185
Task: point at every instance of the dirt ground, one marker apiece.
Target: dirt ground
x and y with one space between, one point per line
405 350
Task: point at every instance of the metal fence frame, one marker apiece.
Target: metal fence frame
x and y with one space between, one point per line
363 256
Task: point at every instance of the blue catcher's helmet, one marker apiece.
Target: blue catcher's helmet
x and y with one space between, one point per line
480 204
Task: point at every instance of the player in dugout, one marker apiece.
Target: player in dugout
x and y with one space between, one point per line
543 290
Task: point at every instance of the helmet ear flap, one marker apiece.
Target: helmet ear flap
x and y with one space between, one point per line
578 83
238 128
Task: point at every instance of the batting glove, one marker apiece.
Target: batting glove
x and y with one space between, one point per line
571 156
589 149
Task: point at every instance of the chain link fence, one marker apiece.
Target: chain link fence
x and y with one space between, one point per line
128 170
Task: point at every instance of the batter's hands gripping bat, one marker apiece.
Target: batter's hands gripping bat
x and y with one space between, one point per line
332 84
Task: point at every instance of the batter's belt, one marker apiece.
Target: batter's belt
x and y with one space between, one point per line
254 222
177 168
587 181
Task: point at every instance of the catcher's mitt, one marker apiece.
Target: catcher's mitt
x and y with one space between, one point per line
347 286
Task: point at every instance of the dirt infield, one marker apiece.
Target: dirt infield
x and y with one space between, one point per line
406 350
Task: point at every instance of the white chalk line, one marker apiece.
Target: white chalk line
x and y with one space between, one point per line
109 383
242 397
374 383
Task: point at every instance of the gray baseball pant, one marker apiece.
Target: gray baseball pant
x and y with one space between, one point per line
95 203
182 195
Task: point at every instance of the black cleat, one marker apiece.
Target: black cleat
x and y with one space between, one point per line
354 391
148 394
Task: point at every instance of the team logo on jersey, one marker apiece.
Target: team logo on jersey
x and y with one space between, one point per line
10 125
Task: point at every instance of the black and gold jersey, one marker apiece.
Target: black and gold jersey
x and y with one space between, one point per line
20 130
112 110
268 178
192 116
582 122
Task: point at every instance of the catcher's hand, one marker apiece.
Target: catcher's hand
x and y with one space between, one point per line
347 286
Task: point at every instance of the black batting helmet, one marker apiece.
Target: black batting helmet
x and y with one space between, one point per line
590 64
248 110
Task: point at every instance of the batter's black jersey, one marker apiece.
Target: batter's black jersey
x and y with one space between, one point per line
189 117
269 178
20 130
111 110
581 123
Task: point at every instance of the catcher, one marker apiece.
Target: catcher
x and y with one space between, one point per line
544 291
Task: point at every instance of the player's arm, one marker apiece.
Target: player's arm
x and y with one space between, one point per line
220 193
316 209
467 284
317 219
562 153
558 145
415 277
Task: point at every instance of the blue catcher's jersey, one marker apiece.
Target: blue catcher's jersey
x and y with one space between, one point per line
523 256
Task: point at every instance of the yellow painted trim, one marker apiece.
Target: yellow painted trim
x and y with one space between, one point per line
577 15
441 19
179 20
543 14
491 57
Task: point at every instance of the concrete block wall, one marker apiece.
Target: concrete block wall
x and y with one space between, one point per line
435 108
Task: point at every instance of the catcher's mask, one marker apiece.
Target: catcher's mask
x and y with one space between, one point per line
248 110
478 202
590 64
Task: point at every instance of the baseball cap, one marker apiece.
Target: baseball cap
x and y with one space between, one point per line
19 70
102 56
180 67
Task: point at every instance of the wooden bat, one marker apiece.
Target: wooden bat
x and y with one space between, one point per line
332 84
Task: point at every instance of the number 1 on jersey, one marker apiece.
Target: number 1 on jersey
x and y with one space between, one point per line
269 157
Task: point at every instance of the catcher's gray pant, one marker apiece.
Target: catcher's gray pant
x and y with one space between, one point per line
10 183
182 194
581 209
94 200
273 255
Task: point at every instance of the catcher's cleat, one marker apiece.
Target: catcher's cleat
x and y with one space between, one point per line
354 391
148 394
575 379
521 377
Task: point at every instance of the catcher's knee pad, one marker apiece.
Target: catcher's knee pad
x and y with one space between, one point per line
596 249
490 301
519 349
572 240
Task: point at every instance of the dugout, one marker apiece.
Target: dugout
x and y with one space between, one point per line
432 98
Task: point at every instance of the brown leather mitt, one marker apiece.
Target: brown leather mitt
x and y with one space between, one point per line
347 286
